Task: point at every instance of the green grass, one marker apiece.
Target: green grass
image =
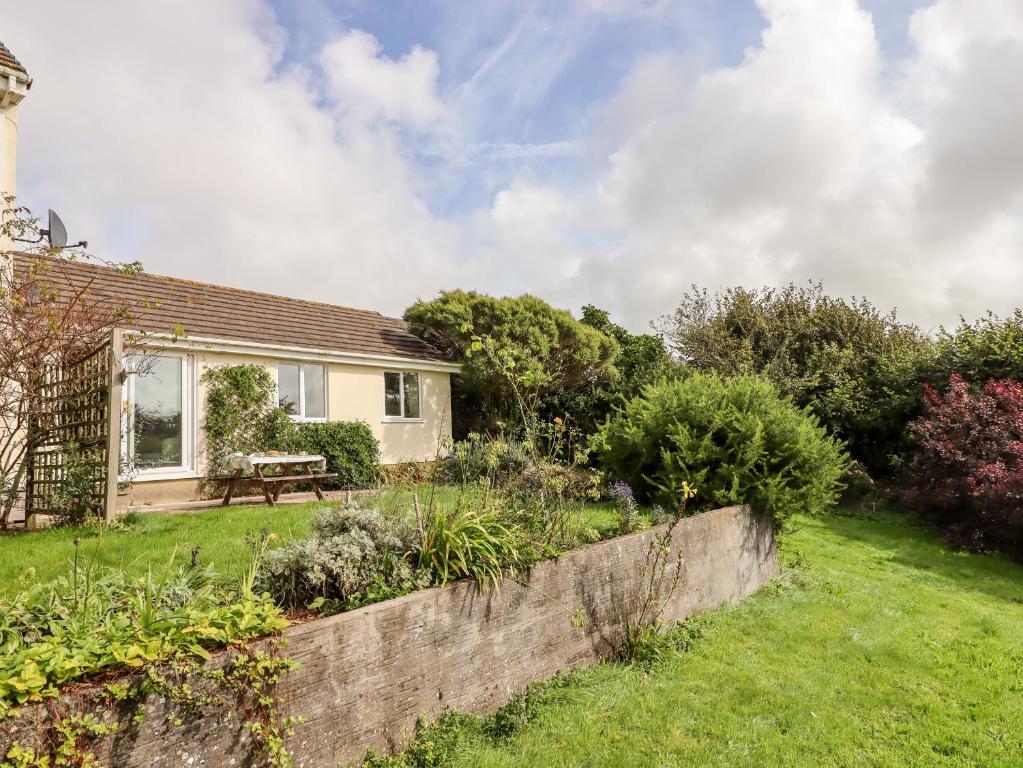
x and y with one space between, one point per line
878 647
157 539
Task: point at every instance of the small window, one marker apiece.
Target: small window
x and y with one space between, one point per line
401 395
392 394
302 390
314 392
289 395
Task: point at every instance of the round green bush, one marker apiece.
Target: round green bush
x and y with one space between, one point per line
349 447
735 439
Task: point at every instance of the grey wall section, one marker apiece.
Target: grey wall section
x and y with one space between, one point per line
366 676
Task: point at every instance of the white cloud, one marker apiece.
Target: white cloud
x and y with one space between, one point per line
804 163
370 86
171 133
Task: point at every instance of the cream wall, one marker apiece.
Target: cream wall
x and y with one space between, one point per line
357 392
9 149
354 393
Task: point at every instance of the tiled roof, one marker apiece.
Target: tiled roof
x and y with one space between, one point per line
7 60
161 304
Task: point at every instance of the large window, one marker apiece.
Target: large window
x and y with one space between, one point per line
302 390
159 418
401 395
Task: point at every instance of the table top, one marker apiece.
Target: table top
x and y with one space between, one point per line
246 462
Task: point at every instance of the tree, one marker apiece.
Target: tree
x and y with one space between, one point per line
514 353
856 368
643 360
986 349
46 319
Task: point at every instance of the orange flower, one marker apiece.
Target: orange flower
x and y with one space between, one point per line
558 421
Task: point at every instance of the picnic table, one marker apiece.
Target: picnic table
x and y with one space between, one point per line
290 468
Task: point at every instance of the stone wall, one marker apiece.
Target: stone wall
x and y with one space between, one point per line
365 676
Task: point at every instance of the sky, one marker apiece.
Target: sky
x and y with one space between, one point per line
615 152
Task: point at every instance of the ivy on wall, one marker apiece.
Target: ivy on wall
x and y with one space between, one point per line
239 412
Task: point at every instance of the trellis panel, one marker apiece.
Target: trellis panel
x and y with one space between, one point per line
79 406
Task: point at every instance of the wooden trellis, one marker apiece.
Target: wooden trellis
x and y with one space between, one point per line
80 422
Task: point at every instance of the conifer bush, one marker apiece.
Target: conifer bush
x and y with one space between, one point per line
734 439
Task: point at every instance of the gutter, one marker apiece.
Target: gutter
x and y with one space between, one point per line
283 352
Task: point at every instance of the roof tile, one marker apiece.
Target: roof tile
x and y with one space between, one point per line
7 60
161 304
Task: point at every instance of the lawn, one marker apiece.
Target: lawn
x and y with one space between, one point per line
154 540
878 647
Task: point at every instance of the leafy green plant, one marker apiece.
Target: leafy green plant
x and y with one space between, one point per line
734 439
95 619
350 448
979 351
857 368
239 410
356 556
476 458
75 497
463 542
643 360
508 344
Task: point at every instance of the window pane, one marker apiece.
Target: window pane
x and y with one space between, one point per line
158 415
287 388
392 394
411 395
315 402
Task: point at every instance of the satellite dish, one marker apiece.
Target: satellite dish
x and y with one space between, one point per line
56 233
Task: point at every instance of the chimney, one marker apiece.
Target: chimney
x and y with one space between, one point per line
14 85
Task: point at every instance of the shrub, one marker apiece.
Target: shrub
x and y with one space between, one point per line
986 349
355 557
349 447
476 458
73 500
859 485
465 542
549 480
735 440
857 368
967 472
643 360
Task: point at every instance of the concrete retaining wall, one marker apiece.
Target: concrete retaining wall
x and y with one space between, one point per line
366 676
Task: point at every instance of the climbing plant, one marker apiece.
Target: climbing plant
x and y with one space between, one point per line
240 410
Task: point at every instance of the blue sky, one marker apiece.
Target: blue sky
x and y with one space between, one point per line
588 151
531 74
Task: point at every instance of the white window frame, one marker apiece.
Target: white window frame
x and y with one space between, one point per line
401 391
187 468
300 416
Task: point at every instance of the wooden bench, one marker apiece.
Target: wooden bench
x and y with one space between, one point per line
271 484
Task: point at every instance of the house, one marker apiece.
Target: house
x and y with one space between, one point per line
330 363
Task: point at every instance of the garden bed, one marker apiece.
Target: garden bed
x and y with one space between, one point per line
364 676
